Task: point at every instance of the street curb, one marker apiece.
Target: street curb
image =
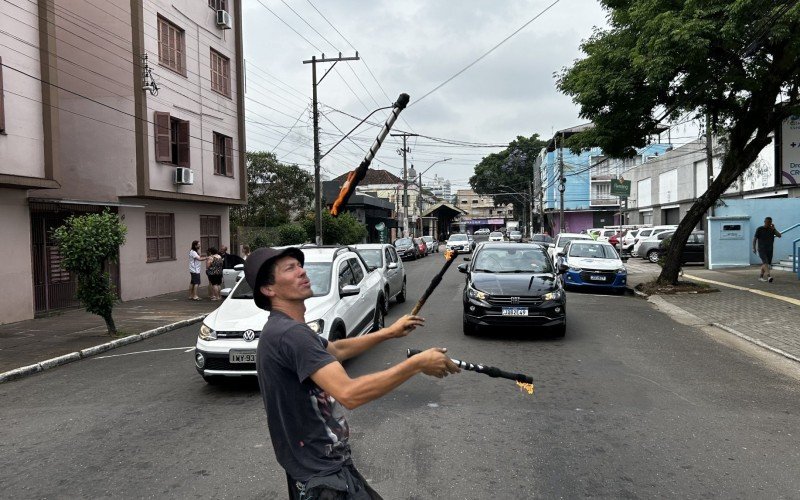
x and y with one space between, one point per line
24 371
757 342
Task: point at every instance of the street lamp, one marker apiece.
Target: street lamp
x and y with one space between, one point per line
414 174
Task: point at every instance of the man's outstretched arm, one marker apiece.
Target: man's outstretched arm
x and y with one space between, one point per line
354 392
349 348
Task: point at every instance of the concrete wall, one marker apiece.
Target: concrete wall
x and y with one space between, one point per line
22 148
785 212
16 287
140 278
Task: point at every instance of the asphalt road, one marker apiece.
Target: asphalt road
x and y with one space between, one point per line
630 404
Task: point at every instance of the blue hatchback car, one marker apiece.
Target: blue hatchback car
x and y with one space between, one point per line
588 264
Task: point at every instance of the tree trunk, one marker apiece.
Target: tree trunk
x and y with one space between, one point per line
112 328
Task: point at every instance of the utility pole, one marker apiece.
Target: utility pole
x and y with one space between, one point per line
561 185
317 184
530 208
405 136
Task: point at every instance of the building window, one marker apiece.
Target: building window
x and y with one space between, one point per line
160 236
2 105
171 46
223 155
218 5
220 73
209 231
172 140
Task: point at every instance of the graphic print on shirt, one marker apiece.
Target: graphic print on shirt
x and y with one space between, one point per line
331 415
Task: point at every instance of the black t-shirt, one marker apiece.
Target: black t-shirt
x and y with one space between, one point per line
765 237
307 426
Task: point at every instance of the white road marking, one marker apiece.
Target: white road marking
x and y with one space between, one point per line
186 349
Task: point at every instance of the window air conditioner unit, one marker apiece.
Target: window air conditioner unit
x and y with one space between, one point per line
184 176
224 20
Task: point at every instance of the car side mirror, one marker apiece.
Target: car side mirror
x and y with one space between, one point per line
392 265
561 254
239 267
562 268
462 268
349 290
225 292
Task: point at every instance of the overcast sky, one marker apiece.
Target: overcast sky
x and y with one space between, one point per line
410 46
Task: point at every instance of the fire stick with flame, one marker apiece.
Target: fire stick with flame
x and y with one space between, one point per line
524 381
450 256
357 175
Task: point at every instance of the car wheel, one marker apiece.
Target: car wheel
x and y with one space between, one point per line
337 334
469 328
401 297
561 330
212 380
652 256
386 301
378 321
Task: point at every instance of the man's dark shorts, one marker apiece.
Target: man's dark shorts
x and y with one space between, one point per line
347 484
195 280
765 254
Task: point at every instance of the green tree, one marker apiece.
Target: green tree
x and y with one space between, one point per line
733 60
341 230
87 243
291 234
509 171
275 192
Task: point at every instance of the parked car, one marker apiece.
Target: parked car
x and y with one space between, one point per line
421 246
406 248
629 239
348 301
646 233
543 239
588 264
383 258
515 236
561 240
694 251
512 284
496 236
483 230
459 242
433 245
648 248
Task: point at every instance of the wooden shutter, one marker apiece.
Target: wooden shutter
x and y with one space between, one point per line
229 157
163 137
183 143
2 105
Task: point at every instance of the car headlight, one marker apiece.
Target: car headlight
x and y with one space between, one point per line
554 295
622 270
207 333
477 294
316 326
575 269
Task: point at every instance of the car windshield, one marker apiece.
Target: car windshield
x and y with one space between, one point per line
495 234
512 260
592 251
319 273
541 237
458 237
373 257
562 242
402 242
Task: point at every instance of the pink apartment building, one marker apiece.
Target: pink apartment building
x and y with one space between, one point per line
82 129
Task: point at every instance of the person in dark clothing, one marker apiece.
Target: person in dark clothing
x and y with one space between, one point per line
304 385
229 260
762 245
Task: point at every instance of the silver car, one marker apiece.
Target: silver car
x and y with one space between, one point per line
648 249
383 258
515 236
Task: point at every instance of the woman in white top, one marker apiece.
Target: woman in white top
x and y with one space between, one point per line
194 270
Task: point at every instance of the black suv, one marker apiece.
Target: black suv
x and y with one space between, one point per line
512 284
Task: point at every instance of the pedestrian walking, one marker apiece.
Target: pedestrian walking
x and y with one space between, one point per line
304 385
194 270
762 245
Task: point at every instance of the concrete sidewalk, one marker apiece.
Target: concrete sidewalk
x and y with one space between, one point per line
71 331
767 314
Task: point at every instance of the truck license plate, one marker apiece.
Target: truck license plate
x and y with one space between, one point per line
515 311
242 356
